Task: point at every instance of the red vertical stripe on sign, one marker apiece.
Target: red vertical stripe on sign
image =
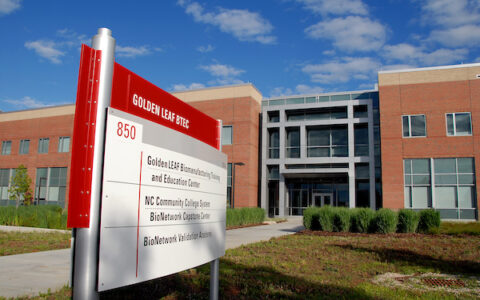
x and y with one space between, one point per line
139 199
83 141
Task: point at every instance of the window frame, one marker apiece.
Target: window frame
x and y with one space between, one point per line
40 140
455 125
4 149
61 144
410 126
22 146
231 135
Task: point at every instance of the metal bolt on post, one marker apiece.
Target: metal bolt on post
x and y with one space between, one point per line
86 240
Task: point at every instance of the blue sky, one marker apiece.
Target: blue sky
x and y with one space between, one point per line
283 47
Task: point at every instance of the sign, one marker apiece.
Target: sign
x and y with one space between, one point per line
163 200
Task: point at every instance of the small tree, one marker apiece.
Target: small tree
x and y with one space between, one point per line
20 186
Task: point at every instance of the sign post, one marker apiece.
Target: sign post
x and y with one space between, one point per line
148 180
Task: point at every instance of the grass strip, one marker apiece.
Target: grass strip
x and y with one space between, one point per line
17 242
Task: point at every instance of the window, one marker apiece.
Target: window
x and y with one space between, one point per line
43 145
293 142
229 185
327 141
24 147
273 173
50 185
4 181
227 135
361 140
455 187
360 111
417 183
459 124
64 144
273 143
414 126
273 116
6 147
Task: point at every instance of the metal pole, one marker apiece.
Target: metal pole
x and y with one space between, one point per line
215 264
214 278
86 241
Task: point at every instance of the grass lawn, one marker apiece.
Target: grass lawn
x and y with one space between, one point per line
317 265
25 242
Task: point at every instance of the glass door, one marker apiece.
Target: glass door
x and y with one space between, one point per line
322 199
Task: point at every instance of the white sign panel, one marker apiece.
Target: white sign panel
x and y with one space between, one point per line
163 202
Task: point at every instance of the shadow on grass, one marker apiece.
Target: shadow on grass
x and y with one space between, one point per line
412 258
237 281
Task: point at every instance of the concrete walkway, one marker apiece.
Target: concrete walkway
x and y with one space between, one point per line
32 273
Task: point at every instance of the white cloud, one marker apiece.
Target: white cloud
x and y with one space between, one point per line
342 70
131 52
448 13
397 67
26 102
350 34
220 70
46 49
413 55
226 81
466 35
335 7
306 89
9 6
182 87
241 23
205 49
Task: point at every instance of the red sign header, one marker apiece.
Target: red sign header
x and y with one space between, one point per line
133 94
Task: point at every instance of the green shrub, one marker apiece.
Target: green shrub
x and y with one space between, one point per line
384 221
429 221
361 219
407 221
341 219
41 216
308 217
325 218
245 216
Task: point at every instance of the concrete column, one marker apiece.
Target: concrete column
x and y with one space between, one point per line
263 164
303 142
351 185
351 140
281 196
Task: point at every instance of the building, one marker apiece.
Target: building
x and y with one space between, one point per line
430 133
413 143
320 150
40 140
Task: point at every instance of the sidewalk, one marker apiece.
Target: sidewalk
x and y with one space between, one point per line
32 273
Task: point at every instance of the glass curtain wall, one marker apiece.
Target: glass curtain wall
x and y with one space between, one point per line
326 141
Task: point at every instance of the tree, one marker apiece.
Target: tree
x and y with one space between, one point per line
20 186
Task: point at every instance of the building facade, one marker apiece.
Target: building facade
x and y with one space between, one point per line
40 139
320 150
430 126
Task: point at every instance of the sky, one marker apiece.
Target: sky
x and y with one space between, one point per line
282 47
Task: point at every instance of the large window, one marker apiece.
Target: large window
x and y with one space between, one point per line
361 139
64 144
24 147
459 124
43 145
227 135
273 143
327 141
6 147
417 183
455 187
229 185
4 180
329 113
50 185
293 142
414 126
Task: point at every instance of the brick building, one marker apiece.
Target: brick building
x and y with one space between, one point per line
40 140
430 124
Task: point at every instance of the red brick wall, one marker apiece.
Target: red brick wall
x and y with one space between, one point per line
433 100
243 114
33 130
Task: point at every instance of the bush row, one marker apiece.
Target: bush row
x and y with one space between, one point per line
41 216
244 216
363 220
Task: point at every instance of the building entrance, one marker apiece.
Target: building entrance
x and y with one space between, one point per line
322 199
